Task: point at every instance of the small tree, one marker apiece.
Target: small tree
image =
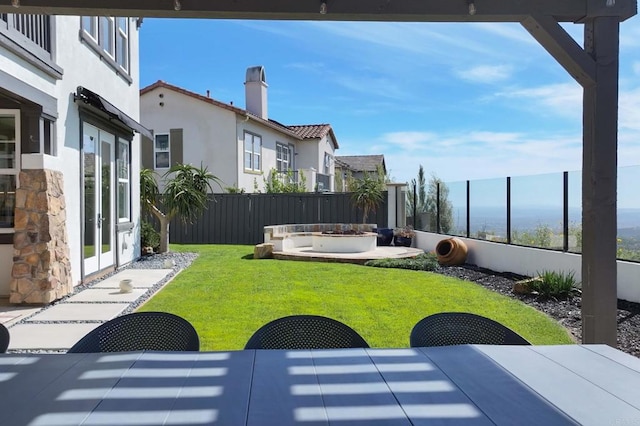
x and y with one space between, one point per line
446 208
367 193
278 183
419 204
184 195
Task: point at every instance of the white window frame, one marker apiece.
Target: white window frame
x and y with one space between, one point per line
92 31
253 152
328 158
282 164
159 151
122 55
124 179
13 171
107 36
105 40
48 141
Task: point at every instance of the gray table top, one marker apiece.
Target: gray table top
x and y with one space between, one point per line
470 385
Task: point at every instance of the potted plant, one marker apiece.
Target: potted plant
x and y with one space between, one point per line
403 237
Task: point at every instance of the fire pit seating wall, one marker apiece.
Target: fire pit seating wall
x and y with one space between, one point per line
287 237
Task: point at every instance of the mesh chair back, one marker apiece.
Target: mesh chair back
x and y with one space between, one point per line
461 328
4 339
154 331
305 332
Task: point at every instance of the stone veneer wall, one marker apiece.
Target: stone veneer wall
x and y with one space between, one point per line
41 268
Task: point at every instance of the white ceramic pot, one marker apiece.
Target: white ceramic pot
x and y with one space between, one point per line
126 286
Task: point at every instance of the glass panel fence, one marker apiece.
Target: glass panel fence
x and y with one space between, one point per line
537 211
575 211
628 231
488 209
456 201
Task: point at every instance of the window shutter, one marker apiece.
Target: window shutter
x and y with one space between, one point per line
147 153
175 136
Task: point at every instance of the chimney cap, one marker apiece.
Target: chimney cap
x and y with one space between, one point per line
256 74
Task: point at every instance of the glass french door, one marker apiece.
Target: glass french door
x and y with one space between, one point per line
99 198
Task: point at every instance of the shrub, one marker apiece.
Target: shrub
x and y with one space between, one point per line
149 237
422 262
554 284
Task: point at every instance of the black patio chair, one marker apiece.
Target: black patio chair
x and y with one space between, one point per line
154 331
461 328
4 338
305 332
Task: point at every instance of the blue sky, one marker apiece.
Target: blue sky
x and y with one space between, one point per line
467 101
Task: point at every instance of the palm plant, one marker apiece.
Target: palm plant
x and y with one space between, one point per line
185 195
367 193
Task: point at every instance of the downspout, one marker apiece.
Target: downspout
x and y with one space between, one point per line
246 118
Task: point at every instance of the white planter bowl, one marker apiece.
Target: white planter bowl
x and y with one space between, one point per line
126 286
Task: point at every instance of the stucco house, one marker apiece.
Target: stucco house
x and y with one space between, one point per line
356 166
69 151
240 146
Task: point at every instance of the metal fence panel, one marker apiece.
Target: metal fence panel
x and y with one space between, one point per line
240 218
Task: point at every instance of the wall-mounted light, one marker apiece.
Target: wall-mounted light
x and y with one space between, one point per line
15 3
472 7
611 3
323 7
177 5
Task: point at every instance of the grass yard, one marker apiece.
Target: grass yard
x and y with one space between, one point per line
227 295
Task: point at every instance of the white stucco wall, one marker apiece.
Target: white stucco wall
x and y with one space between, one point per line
209 134
82 67
529 261
270 137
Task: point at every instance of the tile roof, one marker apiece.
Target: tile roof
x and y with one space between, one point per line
270 123
311 130
314 131
361 163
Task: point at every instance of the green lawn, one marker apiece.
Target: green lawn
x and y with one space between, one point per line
227 295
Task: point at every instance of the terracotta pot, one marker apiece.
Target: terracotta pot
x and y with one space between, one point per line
451 251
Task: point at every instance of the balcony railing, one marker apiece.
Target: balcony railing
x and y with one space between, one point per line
542 211
323 182
36 28
288 177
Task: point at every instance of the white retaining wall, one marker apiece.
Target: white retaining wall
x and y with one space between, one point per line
528 261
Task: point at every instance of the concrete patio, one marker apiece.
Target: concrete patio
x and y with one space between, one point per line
58 326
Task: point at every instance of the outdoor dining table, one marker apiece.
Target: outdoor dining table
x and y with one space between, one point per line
454 385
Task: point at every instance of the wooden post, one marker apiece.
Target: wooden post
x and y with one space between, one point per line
599 180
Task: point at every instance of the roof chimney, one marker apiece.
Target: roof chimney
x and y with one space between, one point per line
255 88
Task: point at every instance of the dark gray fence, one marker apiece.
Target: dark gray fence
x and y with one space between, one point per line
240 218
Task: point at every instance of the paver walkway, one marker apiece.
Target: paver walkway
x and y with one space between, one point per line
58 327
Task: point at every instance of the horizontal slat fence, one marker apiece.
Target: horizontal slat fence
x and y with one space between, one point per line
241 218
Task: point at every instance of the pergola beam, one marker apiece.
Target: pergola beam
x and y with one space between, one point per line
352 10
563 48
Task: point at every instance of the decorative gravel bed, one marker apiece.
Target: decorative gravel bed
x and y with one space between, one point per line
567 311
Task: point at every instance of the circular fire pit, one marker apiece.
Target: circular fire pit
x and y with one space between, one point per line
344 242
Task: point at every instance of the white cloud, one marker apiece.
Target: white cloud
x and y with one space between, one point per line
630 33
409 141
510 31
485 73
629 110
562 98
478 155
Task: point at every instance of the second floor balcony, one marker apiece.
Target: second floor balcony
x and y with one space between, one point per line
31 37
